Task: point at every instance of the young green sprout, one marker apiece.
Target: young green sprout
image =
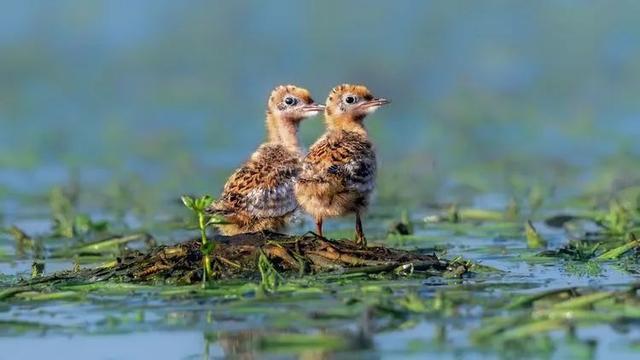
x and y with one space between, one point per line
198 206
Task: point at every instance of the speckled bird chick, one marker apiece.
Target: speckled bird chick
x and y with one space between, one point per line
260 194
338 173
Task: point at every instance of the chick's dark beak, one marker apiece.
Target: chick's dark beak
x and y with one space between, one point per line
377 102
313 107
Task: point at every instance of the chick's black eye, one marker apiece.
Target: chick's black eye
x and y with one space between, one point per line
290 101
350 99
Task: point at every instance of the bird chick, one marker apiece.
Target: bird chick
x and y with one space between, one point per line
260 194
338 173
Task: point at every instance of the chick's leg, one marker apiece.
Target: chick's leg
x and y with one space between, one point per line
360 239
319 226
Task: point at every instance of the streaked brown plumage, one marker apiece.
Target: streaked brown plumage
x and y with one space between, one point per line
338 173
260 194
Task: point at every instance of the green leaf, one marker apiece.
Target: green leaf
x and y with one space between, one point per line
203 202
188 202
103 245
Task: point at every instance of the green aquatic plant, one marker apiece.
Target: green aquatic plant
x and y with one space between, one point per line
460 266
270 279
615 253
83 225
590 268
26 244
62 212
292 342
534 239
617 221
575 250
199 206
404 226
513 210
23 241
37 269
67 222
583 250
453 214
538 314
109 244
535 199
413 303
588 251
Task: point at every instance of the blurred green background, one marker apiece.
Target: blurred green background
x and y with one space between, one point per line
490 98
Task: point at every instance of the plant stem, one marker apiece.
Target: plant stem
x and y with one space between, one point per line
206 261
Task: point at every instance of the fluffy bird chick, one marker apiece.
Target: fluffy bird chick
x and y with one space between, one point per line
338 173
260 194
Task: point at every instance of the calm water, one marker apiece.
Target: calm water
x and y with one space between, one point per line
131 105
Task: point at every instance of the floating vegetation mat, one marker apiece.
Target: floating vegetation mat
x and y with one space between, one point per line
250 256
